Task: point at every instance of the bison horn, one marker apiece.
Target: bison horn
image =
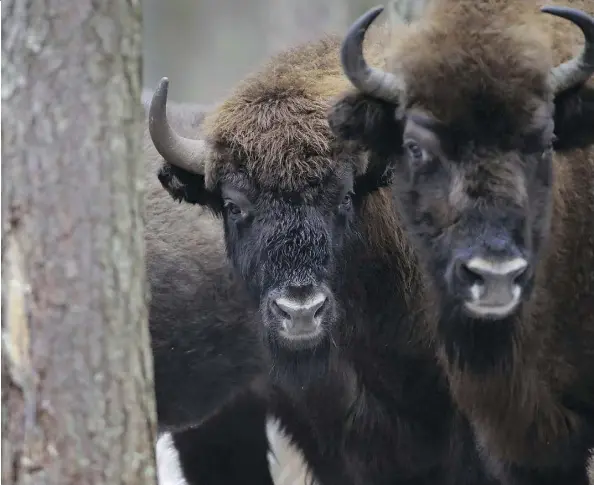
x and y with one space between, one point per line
369 80
579 69
185 153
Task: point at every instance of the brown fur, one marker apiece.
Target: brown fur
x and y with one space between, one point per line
275 124
502 51
388 425
474 62
509 40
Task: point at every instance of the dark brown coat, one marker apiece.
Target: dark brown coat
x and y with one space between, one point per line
478 73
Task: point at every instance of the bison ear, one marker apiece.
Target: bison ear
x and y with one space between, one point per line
367 120
188 187
371 123
574 118
377 176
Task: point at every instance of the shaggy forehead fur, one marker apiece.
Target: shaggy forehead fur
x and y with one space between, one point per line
274 125
482 64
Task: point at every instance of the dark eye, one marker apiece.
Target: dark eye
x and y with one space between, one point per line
232 208
414 150
347 201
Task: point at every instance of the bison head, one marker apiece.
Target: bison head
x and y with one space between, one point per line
287 199
468 113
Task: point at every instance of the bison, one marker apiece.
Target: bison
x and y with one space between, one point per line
321 274
490 136
230 441
204 347
203 327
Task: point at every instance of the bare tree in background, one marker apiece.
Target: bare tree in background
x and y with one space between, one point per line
77 381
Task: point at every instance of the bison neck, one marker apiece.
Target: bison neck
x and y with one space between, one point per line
381 385
495 379
527 383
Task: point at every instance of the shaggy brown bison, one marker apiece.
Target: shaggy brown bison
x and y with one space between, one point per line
491 138
310 230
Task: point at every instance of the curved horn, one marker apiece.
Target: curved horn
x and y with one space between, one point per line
185 153
579 69
369 80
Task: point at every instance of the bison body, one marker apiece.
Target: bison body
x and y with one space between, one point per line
491 141
201 319
208 353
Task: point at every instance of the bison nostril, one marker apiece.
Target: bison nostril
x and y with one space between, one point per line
300 310
278 311
320 310
519 277
468 276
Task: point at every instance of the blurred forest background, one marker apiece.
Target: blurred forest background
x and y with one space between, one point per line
206 46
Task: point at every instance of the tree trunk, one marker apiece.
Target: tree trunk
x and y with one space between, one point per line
77 379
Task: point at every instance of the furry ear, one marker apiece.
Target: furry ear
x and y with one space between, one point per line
188 187
574 118
378 175
371 122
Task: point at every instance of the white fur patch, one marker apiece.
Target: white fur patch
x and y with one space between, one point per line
169 471
590 466
287 464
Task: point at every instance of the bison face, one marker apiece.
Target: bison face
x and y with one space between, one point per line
286 246
472 144
478 210
285 240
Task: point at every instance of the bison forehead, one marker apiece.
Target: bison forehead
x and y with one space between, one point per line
475 66
281 142
274 125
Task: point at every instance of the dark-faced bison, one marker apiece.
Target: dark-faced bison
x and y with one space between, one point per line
491 138
206 349
204 329
313 237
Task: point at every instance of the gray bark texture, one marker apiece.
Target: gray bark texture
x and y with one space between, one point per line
77 378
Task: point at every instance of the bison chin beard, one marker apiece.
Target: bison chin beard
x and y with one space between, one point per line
297 367
475 345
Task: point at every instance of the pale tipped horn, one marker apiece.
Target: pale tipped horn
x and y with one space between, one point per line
185 153
579 69
369 80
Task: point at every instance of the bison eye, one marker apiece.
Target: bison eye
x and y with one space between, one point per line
232 208
347 201
414 150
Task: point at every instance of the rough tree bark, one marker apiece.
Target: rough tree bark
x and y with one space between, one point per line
77 380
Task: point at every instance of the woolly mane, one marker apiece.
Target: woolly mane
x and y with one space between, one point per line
471 62
274 125
474 47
